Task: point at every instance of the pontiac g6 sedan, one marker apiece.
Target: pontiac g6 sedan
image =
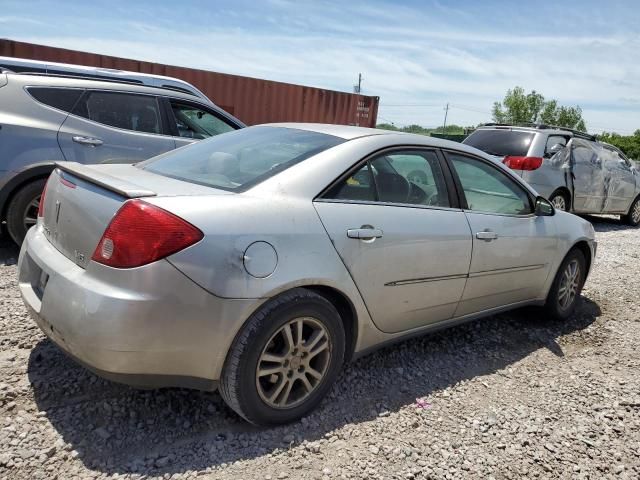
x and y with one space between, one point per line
261 260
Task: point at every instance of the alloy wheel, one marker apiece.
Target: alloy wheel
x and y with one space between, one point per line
293 363
559 203
569 285
635 214
30 215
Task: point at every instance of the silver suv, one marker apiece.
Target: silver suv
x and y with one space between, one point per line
20 65
572 169
49 118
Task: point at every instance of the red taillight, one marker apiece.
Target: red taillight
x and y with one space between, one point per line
522 163
41 204
142 233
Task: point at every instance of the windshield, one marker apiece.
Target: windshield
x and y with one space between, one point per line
501 142
239 160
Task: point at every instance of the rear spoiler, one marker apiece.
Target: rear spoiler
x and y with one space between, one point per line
95 176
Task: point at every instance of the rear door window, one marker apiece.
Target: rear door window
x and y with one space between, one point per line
139 113
195 122
61 98
410 177
501 142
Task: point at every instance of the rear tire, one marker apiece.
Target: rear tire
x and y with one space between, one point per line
22 212
262 379
560 200
633 217
567 285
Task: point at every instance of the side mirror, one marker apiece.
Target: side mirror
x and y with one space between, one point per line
544 207
558 147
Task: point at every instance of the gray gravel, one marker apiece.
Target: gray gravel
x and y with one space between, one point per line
510 396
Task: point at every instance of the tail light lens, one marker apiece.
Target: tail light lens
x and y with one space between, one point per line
141 233
523 163
41 204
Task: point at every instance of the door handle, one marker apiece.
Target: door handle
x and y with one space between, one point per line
82 140
364 233
486 235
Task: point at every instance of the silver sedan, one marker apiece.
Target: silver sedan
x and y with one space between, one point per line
259 261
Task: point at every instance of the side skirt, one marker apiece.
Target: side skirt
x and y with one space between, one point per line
443 325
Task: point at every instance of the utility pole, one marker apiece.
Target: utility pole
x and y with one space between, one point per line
446 112
358 88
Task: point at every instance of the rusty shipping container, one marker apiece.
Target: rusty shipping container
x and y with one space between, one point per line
250 99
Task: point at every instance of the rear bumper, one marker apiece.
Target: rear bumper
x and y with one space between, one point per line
150 326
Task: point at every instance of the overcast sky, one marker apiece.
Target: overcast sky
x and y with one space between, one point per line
417 57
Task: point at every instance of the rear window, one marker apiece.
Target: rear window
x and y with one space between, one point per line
501 142
241 159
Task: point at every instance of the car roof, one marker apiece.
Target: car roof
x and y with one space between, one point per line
525 129
538 128
44 80
114 72
350 132
347 132
28 66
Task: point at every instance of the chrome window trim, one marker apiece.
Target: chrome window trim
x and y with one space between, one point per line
386 204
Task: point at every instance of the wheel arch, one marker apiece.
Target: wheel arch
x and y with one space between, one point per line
347 313
635 199
345 307
585 249
567 194
9 190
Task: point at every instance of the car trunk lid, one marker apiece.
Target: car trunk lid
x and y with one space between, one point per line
81 200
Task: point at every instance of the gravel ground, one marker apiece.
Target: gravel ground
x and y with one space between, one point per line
510 396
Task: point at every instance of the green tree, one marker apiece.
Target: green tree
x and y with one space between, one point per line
452 129
629 144
387 126
519 107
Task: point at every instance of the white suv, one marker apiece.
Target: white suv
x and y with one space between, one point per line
572 169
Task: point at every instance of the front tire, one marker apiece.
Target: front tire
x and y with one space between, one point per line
22 213
285 359
567 285
633 217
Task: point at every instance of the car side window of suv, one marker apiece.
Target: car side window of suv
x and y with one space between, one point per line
410 177
586 154
197 123
61 98
489 190
553 140
139 113
614 160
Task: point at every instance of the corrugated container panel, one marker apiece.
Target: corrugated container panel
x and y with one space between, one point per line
250 99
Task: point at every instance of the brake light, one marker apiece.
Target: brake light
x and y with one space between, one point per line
141 233
41 204
522 163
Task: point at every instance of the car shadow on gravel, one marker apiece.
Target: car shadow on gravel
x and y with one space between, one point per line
607 223
117 429
9 251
